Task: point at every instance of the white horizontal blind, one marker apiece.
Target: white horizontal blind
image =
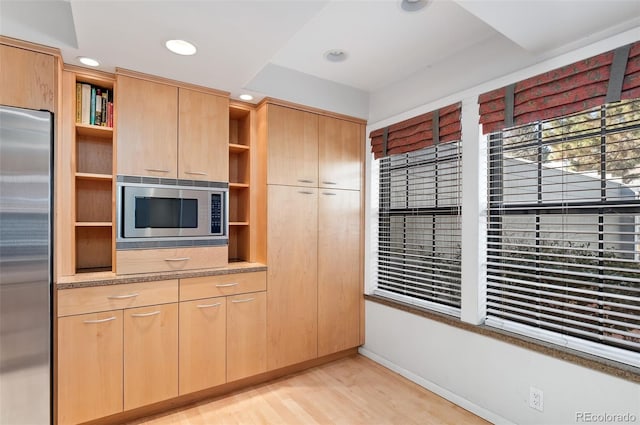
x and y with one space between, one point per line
419 227
564 231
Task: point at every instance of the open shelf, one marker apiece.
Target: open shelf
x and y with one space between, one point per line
93 224
94 176
93 249
235 148
93 130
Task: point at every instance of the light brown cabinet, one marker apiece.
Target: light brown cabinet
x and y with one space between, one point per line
292 303
203 129
339 265
339 153
117 348
246 335
203 345
147 123
150 354
28 78
90 366
169 131
293 147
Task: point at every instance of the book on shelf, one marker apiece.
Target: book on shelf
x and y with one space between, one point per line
94 105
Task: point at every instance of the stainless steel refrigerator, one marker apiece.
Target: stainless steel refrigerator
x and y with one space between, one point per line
26 140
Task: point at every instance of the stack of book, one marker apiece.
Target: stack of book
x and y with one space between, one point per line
94 105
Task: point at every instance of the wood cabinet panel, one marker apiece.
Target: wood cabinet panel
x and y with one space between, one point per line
293 147
28 79
339 152
170 259
292 275
150 354
222 285
339 257
111 297
246 335
203 332
147 122
203 132
89 378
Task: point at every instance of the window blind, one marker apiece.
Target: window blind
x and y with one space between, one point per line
563 258
419 239
439 126
607 77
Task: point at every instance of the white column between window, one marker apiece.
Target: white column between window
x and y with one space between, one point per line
474 215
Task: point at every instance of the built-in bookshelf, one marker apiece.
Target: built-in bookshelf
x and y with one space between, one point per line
239 181
92 188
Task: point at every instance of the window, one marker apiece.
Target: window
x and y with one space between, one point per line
419 227
563 255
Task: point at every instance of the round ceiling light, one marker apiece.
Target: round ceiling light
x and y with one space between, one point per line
181 47
88 61
413 5
246 96
335 55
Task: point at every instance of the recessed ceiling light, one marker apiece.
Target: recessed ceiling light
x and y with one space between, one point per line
246 96
88 61
335 55
413 5
181 47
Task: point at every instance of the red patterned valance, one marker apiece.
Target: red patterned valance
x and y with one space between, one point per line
418 132
572 88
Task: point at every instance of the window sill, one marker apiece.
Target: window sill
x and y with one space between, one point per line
610 367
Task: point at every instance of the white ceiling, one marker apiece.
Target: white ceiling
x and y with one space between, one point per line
275 47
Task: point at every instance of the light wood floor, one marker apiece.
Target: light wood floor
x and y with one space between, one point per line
354 390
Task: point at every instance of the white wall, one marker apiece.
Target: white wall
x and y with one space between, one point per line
487 376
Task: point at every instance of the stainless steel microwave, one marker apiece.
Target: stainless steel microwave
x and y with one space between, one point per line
155 212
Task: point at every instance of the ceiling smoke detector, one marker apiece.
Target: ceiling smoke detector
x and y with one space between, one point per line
335 55
413 5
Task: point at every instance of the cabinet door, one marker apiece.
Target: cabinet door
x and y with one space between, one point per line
147 127
292 324
203 136
246 335
340 153
339 291
150 354
293 147
89 374
27 79
203 330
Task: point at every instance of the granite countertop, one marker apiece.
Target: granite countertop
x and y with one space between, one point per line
83 280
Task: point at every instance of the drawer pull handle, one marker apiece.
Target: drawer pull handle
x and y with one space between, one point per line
157 170
153 313
208 305
178 259
108 319
246 300
305 181
327 182
305 192
122 297
329 193
197 173
225 285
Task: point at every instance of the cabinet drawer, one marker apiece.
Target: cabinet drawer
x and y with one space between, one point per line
172 259
115 297
222 285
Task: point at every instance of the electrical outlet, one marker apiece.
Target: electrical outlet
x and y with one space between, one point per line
536 399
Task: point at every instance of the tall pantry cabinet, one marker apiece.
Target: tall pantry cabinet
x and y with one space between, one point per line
314 232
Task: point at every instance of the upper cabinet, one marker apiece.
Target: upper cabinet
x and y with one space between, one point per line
147 122
293 147
339 152
203 132
170 131
30 79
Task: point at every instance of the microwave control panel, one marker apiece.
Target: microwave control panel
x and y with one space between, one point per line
216 214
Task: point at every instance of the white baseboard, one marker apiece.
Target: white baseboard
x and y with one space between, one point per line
442 392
